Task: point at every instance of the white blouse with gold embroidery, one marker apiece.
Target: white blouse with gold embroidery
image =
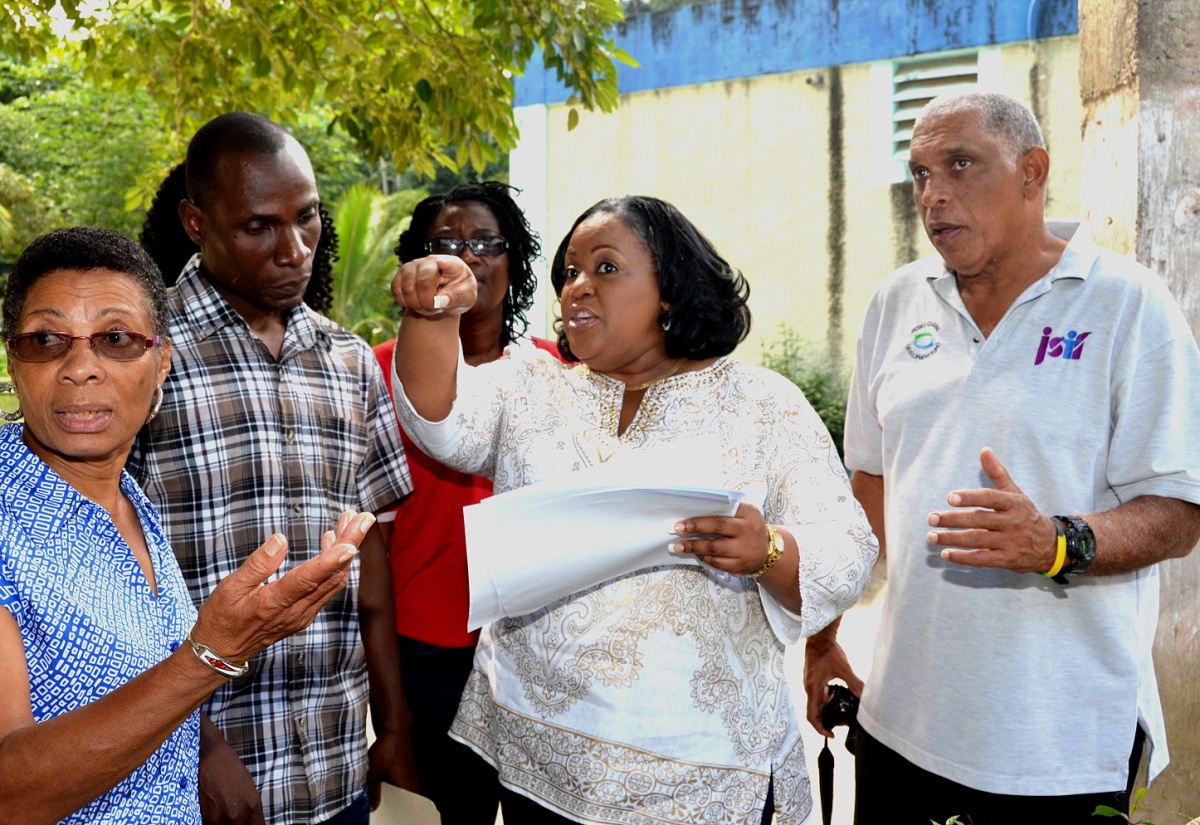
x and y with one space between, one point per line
656 697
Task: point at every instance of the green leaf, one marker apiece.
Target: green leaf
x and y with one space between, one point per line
197 60
572 119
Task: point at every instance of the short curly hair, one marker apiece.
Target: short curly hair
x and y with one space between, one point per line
707 311
169 244
83 248
524 246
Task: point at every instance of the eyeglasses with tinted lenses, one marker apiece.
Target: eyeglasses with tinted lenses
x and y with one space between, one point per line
113 345
488 247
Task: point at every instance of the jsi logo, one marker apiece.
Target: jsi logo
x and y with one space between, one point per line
1068 347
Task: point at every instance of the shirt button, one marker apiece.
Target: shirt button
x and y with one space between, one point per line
183 783
296 508
173 646
291 435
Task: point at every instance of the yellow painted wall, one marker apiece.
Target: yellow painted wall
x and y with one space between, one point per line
748 162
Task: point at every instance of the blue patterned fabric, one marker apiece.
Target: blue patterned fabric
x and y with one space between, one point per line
90 621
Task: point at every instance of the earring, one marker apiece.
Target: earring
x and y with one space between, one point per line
11 416
158 399
665 323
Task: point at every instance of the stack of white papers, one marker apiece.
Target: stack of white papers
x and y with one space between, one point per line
531 547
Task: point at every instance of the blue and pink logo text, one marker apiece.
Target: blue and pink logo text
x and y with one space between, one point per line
1068 347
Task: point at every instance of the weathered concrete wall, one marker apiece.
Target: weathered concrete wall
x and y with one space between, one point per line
1140 81
762 120
782 173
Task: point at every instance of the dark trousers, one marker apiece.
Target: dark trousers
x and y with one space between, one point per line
521 810
462 785
890 789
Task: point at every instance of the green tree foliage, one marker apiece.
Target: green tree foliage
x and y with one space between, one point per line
404 78
80 149
23 216
824 387
25 81
368 226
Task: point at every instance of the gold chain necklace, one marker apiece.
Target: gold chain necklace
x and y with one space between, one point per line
674 369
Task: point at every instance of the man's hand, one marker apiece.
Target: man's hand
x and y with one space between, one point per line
824 661
227 793
1002 528
390 759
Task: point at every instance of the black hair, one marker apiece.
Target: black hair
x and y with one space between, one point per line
83 248
163 235
523 244
237 131
319 292
707 314
168 243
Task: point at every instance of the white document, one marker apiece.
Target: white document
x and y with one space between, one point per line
399 807
530 547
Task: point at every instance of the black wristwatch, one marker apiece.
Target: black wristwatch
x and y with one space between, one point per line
1081 545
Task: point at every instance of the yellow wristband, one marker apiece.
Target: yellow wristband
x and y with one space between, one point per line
1060 554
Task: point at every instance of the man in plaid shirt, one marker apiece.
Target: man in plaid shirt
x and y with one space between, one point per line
274 419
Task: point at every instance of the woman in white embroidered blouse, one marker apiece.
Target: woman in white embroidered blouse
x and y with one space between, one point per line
657 696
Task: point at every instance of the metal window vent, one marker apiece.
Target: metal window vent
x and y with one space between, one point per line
918 81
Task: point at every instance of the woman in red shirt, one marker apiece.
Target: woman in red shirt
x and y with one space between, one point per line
482 224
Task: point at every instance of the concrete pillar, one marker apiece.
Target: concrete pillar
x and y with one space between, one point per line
1139 71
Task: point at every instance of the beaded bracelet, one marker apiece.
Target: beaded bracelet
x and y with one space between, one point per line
215 660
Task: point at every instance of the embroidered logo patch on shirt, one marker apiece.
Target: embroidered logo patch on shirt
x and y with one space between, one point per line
1068 347
924 341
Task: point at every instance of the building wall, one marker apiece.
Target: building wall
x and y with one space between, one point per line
753 162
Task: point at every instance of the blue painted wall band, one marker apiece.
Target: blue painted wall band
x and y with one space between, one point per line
734 39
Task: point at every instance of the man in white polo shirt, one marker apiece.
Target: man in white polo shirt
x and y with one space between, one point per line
1024 403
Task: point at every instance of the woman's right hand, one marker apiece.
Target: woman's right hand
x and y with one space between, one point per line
435 285
243 616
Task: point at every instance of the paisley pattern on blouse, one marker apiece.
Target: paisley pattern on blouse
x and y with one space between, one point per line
657 696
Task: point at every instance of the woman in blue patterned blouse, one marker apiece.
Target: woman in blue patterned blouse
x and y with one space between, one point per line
103 659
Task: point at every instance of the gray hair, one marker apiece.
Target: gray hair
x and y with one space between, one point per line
1007 118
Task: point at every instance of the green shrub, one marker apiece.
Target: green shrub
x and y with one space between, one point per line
823 385
25 215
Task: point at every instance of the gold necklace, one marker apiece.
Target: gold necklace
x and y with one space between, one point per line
674 369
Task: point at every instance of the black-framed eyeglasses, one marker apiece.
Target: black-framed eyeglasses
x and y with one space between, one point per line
488 247
113 345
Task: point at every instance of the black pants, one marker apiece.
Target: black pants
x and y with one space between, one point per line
521 810
462 785
890 789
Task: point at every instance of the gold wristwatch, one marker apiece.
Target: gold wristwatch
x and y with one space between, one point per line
774 551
